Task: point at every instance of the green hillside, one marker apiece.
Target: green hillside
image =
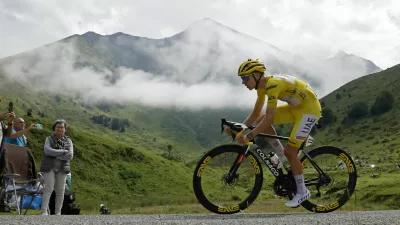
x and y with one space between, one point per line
362 115
120 169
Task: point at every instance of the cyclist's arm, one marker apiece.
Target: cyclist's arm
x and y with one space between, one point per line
273 93
257 108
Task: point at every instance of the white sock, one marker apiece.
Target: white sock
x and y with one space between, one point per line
279 150
301 187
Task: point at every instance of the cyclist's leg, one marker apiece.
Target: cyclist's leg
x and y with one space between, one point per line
283 115
306 117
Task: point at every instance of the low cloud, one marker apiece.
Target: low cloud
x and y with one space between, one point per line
196 69
52 69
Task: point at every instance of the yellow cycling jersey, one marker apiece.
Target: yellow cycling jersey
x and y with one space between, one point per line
285 88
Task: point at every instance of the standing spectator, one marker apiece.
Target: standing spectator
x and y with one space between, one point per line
17 136
5 131
58 151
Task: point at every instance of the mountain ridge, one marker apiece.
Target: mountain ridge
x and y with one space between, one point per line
207 50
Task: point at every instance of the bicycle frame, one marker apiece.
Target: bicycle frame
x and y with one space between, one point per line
284 184
275 172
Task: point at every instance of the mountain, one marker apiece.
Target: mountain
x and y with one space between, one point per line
147 153
205 51
348 66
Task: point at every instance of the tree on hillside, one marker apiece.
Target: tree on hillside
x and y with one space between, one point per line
57 98
104 106
328 116
115 124
383 103
29 113
338 96
169 149
122 129
168 155
106 121
357 110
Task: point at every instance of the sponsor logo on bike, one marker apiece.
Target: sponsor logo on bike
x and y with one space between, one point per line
323 208
201 168
268 162
350 167
254 163
228 209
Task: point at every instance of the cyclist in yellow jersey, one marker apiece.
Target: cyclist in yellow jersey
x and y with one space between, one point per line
301 107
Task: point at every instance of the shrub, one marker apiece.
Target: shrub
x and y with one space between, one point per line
358 110
383 103
328 116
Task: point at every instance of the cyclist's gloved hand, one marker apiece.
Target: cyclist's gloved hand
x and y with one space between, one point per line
242 139
228 131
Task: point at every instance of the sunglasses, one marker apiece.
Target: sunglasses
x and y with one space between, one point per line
245 78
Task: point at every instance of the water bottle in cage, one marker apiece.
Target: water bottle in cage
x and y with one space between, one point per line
275 160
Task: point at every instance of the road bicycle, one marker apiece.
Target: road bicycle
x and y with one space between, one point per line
247 158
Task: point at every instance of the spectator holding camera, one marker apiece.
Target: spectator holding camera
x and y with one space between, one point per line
58 152
5 131
17 136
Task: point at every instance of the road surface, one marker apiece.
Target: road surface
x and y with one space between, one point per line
359 218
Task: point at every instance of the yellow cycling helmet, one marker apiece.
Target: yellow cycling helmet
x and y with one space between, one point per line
249 66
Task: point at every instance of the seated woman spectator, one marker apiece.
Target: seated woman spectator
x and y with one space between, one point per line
58 152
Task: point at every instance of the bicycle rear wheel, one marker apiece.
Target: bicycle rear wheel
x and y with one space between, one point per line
346 183
244 194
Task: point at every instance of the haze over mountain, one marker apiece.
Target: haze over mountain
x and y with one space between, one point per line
193 67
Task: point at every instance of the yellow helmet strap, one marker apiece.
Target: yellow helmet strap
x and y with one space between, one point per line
257 80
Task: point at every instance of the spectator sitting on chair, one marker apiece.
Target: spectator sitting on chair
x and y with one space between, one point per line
58 151
17 136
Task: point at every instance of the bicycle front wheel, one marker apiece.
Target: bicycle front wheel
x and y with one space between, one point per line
212 179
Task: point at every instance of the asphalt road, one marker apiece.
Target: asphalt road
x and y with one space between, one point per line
359 218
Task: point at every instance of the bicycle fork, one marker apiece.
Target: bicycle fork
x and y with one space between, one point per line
229 178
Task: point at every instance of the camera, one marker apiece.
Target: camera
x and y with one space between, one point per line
10 107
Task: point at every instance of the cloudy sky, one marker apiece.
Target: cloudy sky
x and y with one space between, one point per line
314 29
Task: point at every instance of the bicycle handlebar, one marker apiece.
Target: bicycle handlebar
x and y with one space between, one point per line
235 127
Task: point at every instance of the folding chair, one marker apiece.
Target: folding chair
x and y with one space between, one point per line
19 177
